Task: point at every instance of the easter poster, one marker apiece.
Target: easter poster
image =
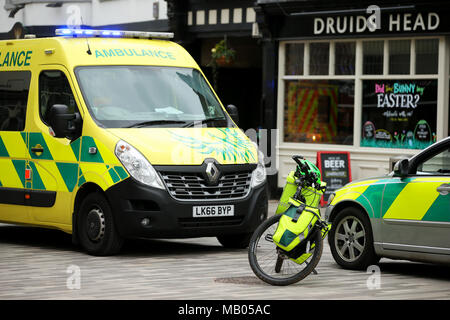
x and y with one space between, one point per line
399 113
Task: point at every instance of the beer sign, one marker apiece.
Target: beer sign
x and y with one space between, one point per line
335 170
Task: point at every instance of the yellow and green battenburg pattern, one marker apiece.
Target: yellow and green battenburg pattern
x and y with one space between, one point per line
70 165
413 198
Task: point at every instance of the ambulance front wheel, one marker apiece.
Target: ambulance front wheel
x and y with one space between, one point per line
95 225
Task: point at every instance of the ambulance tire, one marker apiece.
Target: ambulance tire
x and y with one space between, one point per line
235 241
361 259
95 225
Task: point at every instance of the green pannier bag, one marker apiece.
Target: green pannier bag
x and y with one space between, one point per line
296 223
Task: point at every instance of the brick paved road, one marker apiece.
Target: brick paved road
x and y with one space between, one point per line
34 262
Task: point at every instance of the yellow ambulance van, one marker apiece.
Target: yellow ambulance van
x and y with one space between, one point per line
109 135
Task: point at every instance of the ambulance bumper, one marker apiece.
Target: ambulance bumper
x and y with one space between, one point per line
144 212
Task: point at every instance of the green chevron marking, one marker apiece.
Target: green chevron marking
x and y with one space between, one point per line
37 183
69 173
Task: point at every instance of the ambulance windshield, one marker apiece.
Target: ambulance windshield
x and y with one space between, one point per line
147 96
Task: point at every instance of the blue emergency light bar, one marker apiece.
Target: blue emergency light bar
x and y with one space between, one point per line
113 34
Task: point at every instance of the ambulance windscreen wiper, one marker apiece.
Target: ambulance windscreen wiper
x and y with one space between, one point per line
203 121
154 122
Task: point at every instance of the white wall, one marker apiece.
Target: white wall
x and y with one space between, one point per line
95 13
125 11
7 23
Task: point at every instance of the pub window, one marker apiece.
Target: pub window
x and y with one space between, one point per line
396 112
399 113
14 87
373 52
344 58
294 58
399 56
319 111
319 57
427 52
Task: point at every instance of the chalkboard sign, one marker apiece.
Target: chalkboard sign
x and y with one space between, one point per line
335 170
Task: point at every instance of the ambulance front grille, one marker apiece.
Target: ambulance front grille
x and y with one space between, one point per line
192 186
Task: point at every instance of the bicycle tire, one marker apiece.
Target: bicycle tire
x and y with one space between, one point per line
280 281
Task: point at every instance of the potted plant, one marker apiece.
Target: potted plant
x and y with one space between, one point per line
221 54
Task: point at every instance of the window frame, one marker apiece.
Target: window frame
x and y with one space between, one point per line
426 155
358 77
39 92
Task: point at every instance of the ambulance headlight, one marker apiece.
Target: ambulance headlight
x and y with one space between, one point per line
259 174
137 165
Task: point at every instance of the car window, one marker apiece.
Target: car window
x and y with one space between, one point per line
436 165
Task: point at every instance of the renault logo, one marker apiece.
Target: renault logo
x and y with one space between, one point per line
212 173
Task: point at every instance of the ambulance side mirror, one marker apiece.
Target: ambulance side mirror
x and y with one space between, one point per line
65 124
401 168
233 112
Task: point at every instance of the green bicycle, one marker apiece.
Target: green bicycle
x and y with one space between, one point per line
287 247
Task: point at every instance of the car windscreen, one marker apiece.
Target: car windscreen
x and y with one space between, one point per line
149 96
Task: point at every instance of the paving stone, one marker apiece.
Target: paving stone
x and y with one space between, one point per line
34 264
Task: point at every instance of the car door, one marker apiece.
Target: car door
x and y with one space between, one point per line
416 209
14 89
53 161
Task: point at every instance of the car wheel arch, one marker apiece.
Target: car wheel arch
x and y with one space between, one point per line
347 204
81 194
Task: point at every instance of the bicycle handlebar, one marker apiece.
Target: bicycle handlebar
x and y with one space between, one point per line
304 169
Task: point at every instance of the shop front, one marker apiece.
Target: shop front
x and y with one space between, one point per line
373 81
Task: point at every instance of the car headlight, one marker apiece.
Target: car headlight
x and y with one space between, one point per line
137 165
259 174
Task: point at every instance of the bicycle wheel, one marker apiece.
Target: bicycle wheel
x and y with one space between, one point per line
270 265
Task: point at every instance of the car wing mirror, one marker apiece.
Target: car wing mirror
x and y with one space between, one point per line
401 168
64 123
234 113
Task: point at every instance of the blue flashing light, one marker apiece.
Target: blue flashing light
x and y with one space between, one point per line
113 33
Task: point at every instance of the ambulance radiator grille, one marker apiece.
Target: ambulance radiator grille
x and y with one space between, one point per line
193 186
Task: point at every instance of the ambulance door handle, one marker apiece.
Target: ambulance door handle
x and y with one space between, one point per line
443 189
37 149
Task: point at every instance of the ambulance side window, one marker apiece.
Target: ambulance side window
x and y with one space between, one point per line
54 88
14 87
